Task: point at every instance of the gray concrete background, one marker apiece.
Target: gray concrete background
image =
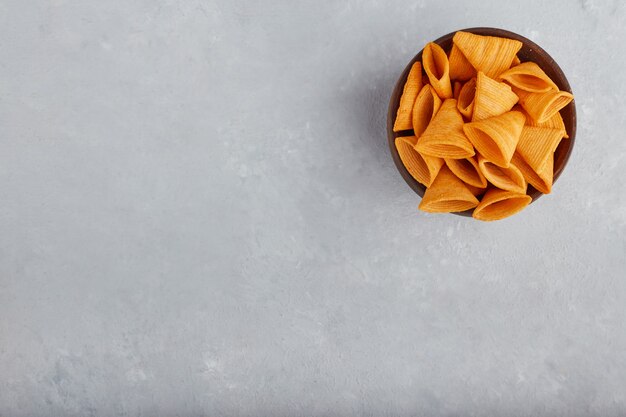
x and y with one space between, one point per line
199 216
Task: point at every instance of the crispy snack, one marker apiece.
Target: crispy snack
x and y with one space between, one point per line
460 68
423 168
499 204
483 125
529 77
468 171
537 144
412 87
437 69
426 106
492 98
542 180
447 194
542 106
489 54
465 102
496 138
444 137
510 179
555 122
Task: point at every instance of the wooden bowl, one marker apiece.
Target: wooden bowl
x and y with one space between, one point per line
530 52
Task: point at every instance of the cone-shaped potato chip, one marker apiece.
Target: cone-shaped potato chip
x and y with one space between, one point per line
460 68
426 106
412 87
492 98
529 77
465 102
423 168
467 170
516 61
496 138
542 106
555 122
437 68
444 137
537 144
456 90
542 181
489 54
447 194
510 179
498 204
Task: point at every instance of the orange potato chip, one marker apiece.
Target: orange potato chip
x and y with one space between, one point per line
496 138
467 170
516 61
510 179
488 54
537 144
457 89
412 87
437 68
460 68
542 180
555 122
465 102
423 168
447 194
426 106
529 77
542 106
444 137
499 204
492 98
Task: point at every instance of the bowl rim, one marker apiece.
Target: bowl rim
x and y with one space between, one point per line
562 81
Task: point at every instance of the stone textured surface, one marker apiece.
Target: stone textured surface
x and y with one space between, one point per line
199 216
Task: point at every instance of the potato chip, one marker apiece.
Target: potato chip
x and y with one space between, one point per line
529 77
447 194
496 138
488 54
444 137
437 68
555 122
456 90
492 98
467 170
412 87
542 180
499 204
510 179
537 144
460 68
542 106
516 61
423 168
465 103
426 106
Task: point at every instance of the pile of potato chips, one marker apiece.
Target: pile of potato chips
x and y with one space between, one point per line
480 125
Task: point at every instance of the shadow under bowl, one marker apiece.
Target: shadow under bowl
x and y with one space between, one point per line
530 52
